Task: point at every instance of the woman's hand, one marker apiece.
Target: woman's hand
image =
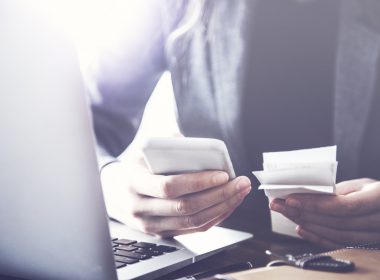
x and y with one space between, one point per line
169 205
351 217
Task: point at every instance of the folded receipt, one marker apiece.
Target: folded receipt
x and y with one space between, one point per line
299 171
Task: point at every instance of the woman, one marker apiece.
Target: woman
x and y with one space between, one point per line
262 75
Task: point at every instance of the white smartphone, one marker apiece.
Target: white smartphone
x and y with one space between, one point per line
184 154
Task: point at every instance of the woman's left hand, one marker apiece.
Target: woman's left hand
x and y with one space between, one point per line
352 217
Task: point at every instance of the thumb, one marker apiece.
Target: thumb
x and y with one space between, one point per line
346 187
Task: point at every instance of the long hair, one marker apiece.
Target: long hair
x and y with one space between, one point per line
191 14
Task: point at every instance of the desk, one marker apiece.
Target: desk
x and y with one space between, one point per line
252 249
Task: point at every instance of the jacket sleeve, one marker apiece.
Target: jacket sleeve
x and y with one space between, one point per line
121 67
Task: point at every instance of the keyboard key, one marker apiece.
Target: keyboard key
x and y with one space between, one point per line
149 252
125 260
153 252
144 245
165 249
114 238
131 255
143 251
124 241
120 264
126 248
127 251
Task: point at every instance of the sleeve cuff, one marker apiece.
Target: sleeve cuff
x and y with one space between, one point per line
104 158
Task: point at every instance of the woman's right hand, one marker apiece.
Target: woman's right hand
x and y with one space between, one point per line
169 205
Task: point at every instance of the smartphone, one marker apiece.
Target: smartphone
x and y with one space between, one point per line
185 154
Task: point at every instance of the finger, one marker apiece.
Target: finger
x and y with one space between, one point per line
277 205
204 227
309 236
368 222
154 224
191 203
343 236
366 200
350 186
353 204
174 186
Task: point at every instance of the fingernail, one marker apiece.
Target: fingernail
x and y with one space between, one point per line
276 206
299 230
243 184
292 212
220 178
244 192
293 203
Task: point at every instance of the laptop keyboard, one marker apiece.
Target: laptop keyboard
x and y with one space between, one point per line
128 252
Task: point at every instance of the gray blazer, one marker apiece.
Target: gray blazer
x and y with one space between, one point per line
207 66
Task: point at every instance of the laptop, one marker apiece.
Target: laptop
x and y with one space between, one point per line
53 219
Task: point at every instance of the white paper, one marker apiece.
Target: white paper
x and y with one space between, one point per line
324 154
274 191
321 175
310 171
299 171
282 225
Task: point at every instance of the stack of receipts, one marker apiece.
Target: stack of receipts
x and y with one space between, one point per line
299 171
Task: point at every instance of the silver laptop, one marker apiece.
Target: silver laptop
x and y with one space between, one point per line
52 214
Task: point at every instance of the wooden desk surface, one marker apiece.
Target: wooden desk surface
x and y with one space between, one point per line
252 249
